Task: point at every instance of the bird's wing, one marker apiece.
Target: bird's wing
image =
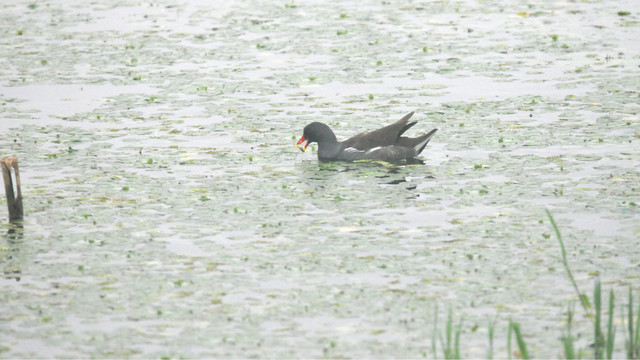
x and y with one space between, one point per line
385 136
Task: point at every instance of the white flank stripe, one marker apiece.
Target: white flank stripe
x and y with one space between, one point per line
352 150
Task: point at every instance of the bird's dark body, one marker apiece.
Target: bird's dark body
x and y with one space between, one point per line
386 144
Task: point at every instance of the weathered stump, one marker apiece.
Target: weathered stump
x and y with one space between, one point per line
14 202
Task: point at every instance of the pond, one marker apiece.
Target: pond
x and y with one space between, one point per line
167 213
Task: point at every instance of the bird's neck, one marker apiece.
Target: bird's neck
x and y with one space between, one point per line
329 149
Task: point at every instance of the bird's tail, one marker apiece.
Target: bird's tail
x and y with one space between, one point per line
423 141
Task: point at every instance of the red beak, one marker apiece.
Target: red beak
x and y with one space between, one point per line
300 142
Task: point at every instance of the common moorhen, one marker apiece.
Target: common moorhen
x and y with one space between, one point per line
386 144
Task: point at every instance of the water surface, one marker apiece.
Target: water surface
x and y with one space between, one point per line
167 213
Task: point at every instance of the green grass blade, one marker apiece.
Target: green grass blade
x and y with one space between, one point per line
445 354
457 339
597 329
567 339
567 343
611 330
630 325
509 338
449 331
583 299
632 343
522 346
636 339
434 334
492 326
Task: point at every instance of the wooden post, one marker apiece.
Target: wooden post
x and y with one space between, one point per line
16 211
